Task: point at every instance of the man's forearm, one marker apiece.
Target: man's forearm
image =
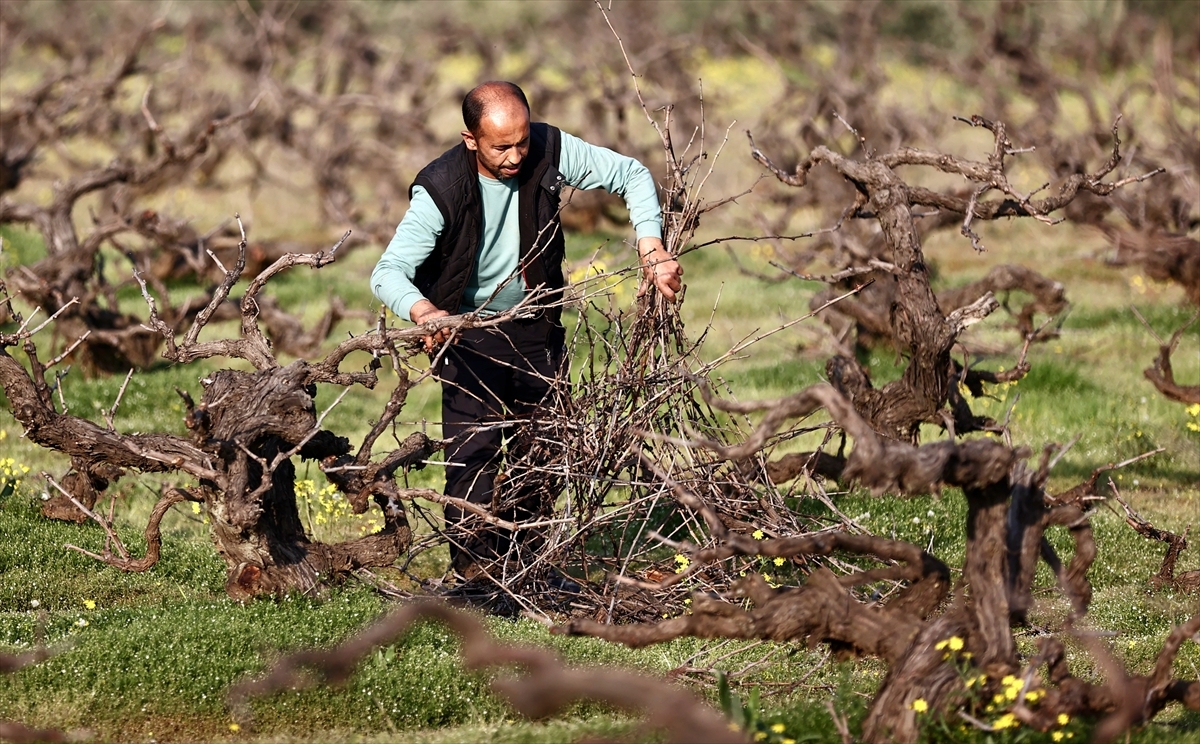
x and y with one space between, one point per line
394 289
391 281
588 166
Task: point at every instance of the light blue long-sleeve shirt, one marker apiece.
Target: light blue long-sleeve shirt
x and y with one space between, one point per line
494 276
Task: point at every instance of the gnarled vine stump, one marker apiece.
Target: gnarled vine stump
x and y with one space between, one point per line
245 433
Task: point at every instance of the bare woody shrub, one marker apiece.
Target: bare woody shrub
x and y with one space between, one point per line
244 434
946 658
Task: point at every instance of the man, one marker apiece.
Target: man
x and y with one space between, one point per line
482 231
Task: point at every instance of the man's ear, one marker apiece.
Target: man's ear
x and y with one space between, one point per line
469 140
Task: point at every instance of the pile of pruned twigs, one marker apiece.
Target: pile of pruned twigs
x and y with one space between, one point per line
600 456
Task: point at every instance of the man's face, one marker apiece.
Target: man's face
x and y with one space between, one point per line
502 141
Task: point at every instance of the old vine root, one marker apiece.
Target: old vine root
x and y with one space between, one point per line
244 434
905 629
1162 374
544 687
924 326
1188 581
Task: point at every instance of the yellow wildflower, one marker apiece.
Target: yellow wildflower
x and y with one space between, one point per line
955 643
779 561
777 728
683 562
758 534
1057 736
919 705
1063 719
234 728
90 604
760 735
1008 720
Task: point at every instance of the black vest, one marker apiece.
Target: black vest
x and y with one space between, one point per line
453 182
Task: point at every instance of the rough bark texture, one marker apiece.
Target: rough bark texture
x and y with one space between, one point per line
1030 513
244 420
1008 513
1188 581
923 330
245 433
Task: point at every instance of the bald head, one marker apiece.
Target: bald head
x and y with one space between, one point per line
494 95
497 118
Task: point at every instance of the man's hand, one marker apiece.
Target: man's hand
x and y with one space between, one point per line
659 268
425 310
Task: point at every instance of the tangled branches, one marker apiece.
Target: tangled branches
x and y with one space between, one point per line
1006 506
923 326
243 435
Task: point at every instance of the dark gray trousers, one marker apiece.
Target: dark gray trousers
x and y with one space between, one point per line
491 377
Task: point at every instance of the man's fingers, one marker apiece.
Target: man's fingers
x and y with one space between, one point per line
435 339
667 279
667 288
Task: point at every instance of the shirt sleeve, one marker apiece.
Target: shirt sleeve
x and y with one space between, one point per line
587 166
416 235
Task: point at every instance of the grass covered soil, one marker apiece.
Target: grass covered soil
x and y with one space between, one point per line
149 656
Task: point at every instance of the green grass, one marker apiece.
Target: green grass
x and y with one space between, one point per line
22 246
152 654
160 648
